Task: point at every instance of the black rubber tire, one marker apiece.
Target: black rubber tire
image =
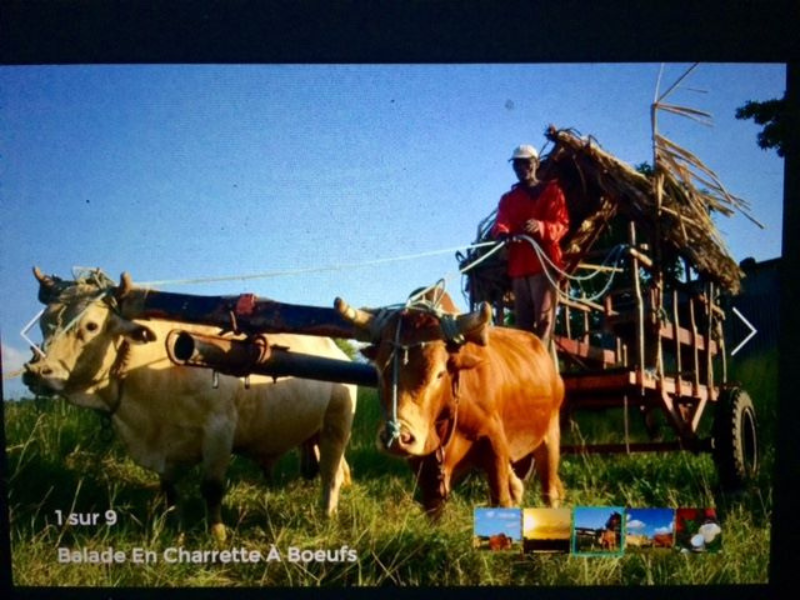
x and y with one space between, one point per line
735 439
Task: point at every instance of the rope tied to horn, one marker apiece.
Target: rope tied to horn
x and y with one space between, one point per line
428 301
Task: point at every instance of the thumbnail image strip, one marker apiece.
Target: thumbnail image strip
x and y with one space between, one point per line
597 530
697 530
546 530
649 529
497 529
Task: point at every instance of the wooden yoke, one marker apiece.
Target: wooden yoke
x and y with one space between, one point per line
240 314
246 314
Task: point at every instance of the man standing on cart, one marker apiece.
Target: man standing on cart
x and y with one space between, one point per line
538 210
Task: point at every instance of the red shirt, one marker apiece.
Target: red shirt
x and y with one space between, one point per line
546 204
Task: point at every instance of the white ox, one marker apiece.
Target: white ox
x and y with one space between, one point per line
169 416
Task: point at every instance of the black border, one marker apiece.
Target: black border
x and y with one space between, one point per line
439 31
381 31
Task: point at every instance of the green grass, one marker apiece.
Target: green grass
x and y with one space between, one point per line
65 458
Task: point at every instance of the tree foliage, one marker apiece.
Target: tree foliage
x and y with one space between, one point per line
773 116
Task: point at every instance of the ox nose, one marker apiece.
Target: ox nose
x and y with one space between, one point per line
391 441
37 369
35 373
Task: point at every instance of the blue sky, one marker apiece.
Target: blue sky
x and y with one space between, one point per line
594 517
650 521
491 521
195 172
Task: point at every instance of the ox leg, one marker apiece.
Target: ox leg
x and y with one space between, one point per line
213 491
519 473
333 439
547 457
169 491
309 458
267 464
500 481
346 478
216 456
170 494
503 483
515 487
433 483
524 467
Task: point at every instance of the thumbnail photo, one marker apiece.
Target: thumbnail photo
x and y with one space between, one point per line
697 530
649 529
597 530
497 529
546 530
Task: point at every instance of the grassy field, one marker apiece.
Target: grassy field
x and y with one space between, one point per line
66 459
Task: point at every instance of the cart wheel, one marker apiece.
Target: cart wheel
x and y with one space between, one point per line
735 447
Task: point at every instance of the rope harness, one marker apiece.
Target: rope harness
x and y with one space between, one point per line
59 329
120 364
612 259
452 335
449 327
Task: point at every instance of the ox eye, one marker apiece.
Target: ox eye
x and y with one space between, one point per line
440 374
91 326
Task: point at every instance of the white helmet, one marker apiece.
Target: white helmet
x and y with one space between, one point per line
524 152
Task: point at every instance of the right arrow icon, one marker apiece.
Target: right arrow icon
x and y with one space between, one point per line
753 331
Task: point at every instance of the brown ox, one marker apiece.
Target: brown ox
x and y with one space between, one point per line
663 540
467 395
169 416
608 539
499 541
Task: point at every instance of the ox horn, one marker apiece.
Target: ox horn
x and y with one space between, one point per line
363 321
473 325
48 286
360 318
125 285
43 279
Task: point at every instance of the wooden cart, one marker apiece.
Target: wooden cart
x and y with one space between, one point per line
648 337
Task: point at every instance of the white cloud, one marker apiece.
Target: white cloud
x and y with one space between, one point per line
662 530
636 524
509 514
13 359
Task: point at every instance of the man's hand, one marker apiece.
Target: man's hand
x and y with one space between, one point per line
532 226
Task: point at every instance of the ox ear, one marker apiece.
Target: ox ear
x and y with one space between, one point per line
133 332
474 326
463 360
370 352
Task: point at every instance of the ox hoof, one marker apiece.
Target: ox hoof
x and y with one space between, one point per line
181 540
218 533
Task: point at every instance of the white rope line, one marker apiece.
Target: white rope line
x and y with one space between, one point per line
613 257
443 281
60 329
341 267
548 265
